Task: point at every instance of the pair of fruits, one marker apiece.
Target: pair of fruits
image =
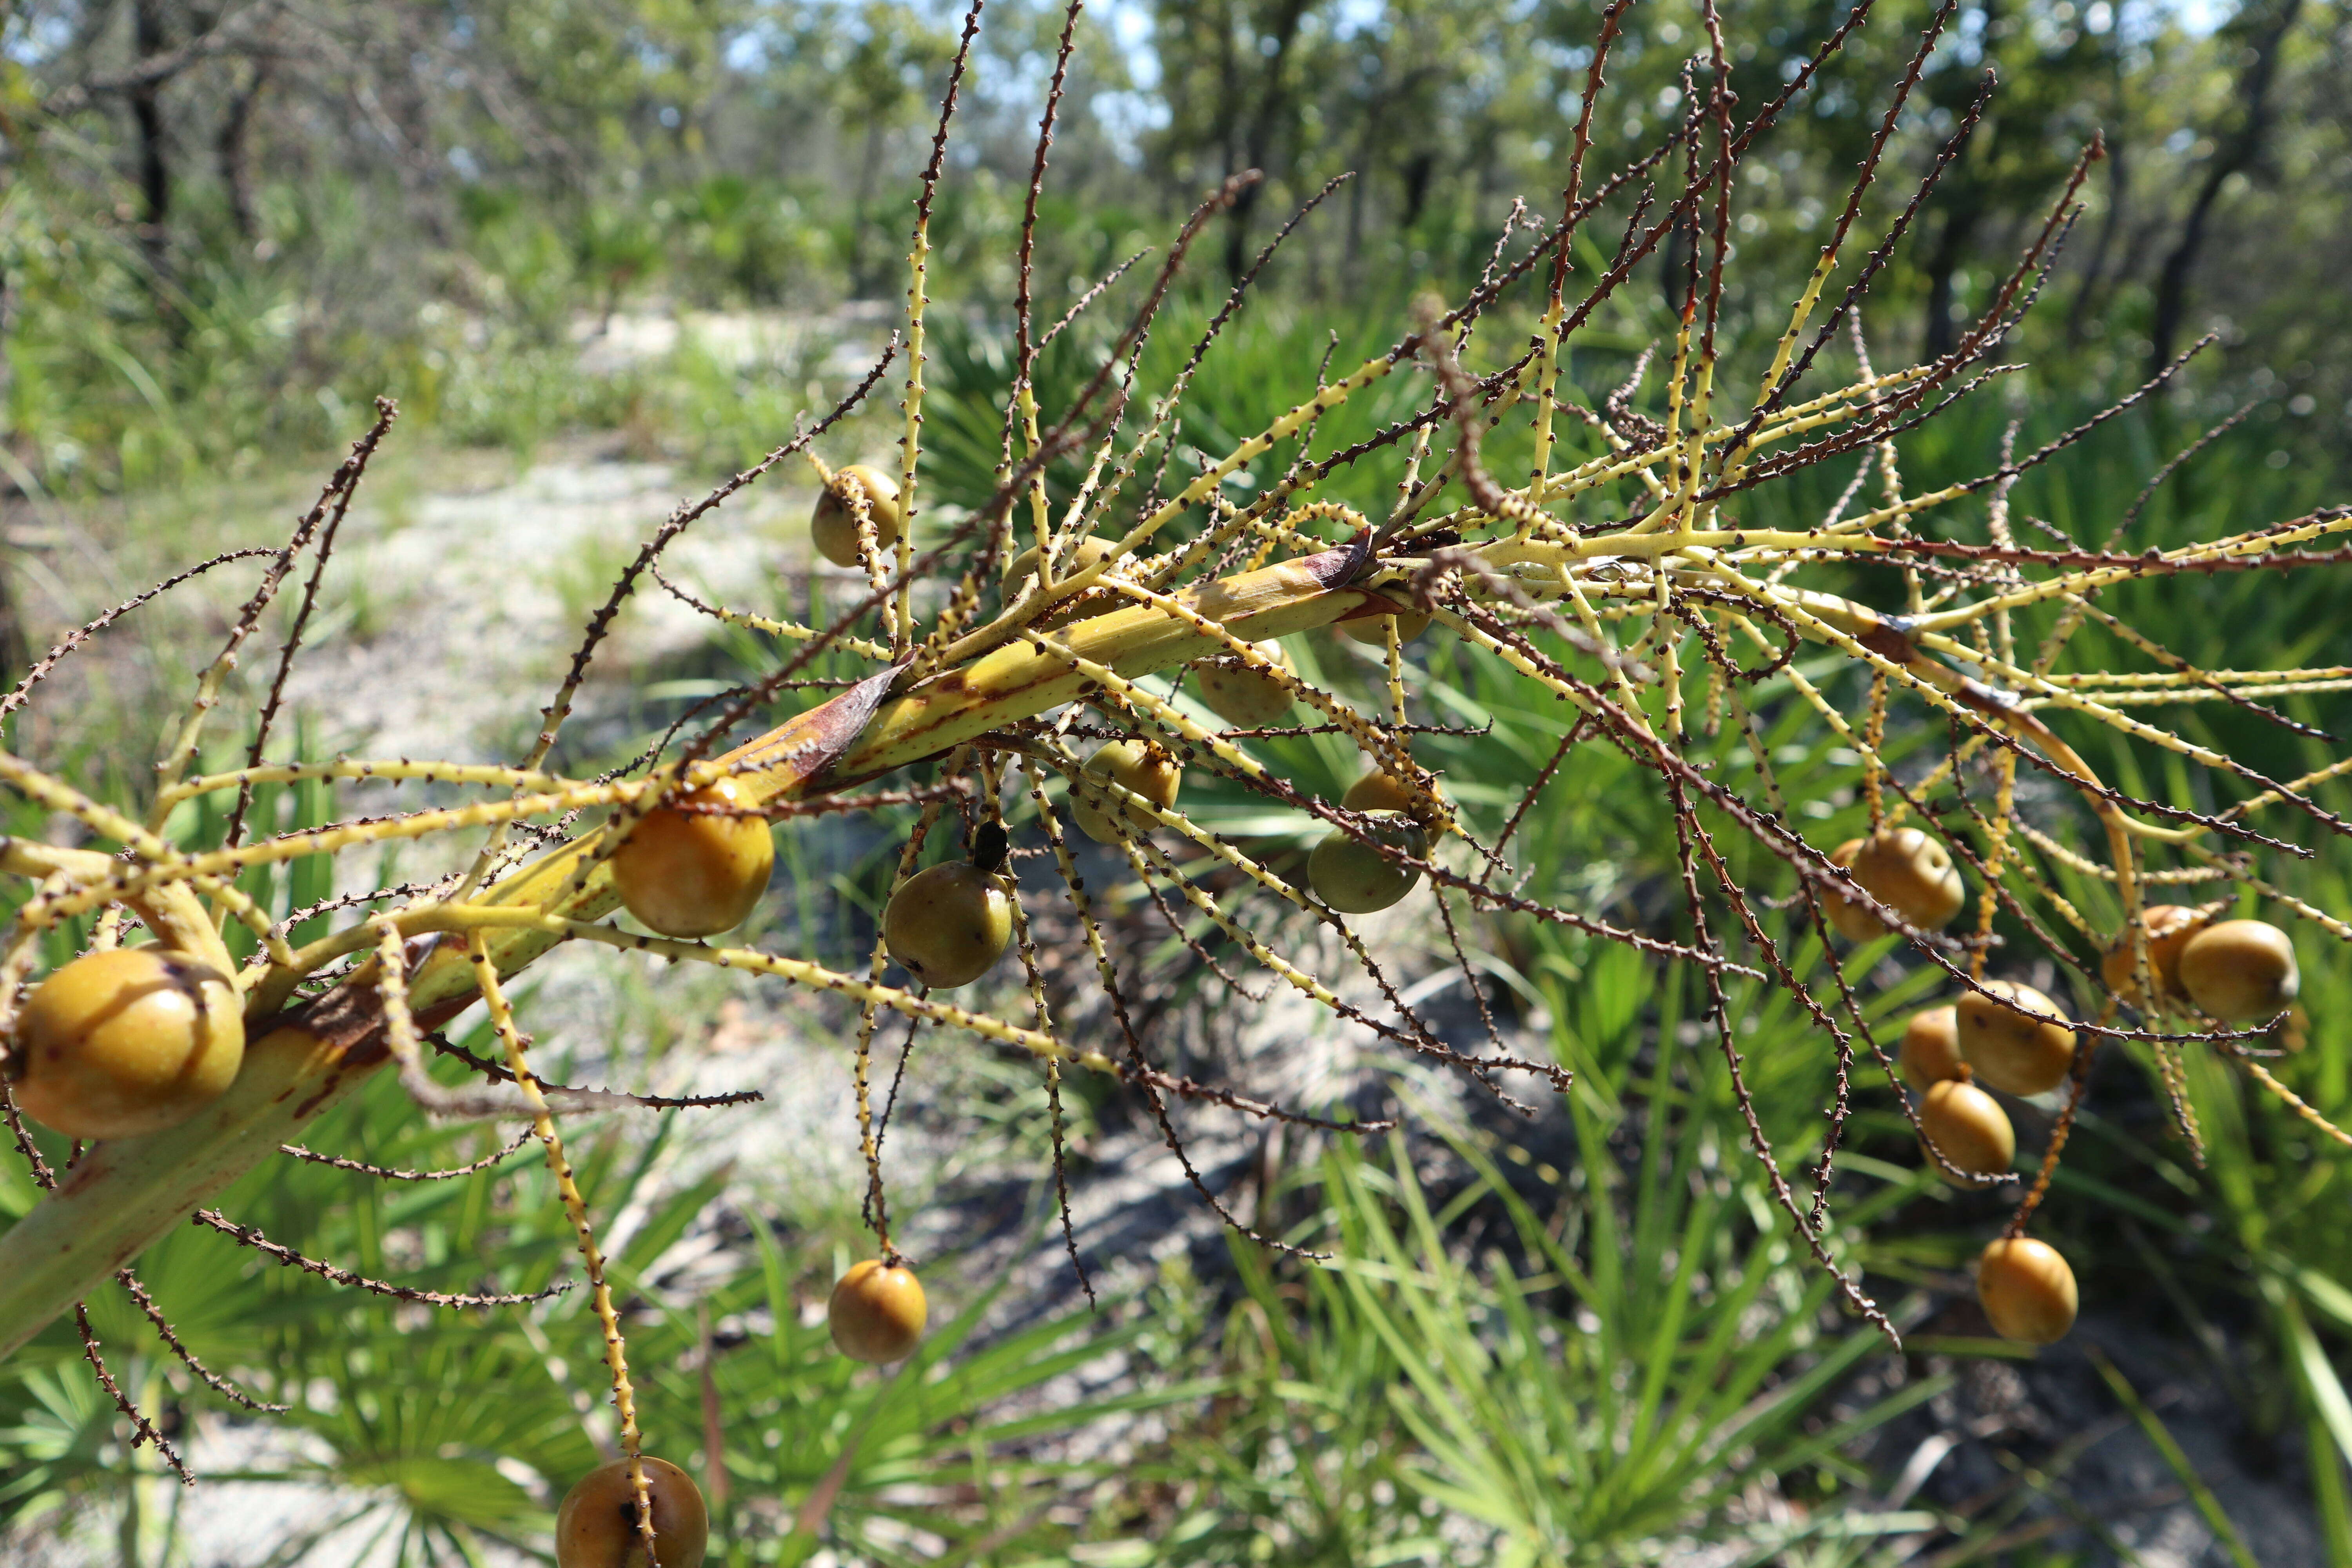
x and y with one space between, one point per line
697 867
876 1314
2240 972
1903 868
1351 875
1997 1039
949 923
1967 1125
833 527
127 1041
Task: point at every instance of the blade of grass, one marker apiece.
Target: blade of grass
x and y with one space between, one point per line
2161 1438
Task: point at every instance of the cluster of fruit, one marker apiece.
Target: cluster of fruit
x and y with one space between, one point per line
2007 1035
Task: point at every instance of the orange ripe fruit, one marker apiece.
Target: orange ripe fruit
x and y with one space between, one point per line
1971 1130
2027 1290
877 1313
1930 1052
596 1526
2013 1052
2242 972
834 528
695 873
127 1041
2168 928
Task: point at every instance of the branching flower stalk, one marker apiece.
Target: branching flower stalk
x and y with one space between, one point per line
1623 566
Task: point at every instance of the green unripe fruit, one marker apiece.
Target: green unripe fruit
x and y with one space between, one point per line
877 1313
1357 879
948 924
695 873
2242 972
597 1526
2027 1290
126 1042
1969 1128
2013 1052
833 527
1138 765
1244 696
1374 628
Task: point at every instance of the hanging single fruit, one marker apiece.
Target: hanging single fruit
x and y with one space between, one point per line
1968 1127
1903 868
597 1525
2242 972
696 867
1244 696
948 924
125 1042
1374 628
1355 878
833 527
2168 928
2013 1052
877 1311
1141 765
2027 1290
1930 1052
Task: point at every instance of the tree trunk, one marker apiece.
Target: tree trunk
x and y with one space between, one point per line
149 40
2239 152
233 150
1273 103
1937 335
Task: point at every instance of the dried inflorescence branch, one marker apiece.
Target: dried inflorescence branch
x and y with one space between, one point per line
1641 579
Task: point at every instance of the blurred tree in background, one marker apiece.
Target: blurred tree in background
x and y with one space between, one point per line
214 203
